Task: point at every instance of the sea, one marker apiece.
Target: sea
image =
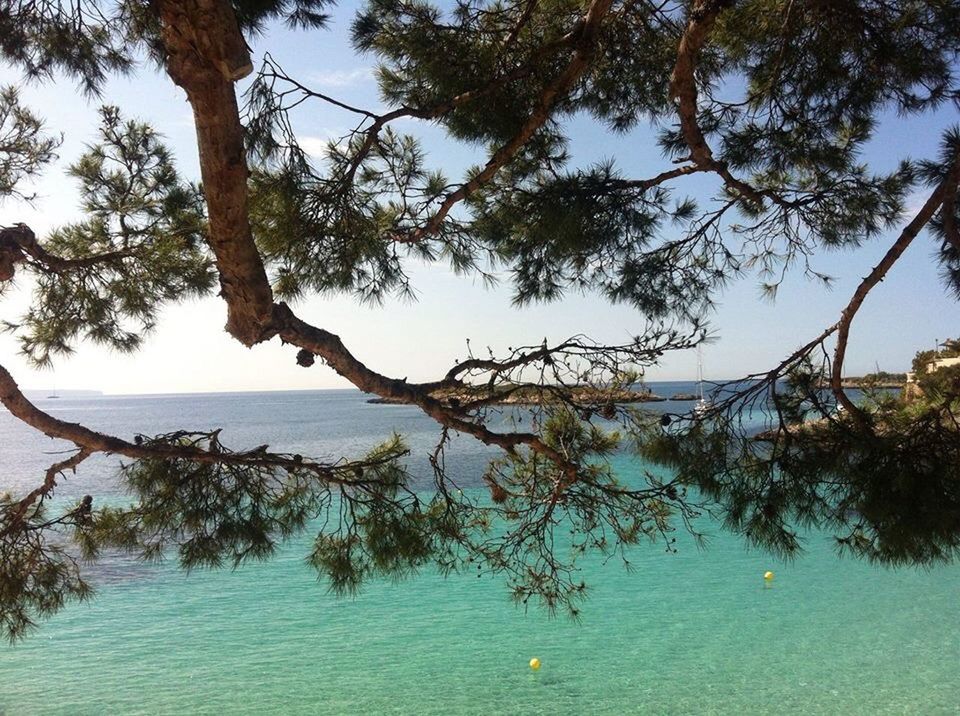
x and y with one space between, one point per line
698 631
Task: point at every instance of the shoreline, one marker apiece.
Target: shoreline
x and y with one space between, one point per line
532 395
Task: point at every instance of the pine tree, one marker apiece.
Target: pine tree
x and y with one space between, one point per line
268 224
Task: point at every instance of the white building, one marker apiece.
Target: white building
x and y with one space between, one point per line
935 364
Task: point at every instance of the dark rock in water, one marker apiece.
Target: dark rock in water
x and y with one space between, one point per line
685 396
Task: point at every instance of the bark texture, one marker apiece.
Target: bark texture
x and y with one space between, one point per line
206 54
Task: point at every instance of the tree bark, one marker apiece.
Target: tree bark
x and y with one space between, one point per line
206 53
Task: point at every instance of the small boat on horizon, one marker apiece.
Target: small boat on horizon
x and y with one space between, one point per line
703 405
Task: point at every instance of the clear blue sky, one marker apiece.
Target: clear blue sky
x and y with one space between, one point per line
190 352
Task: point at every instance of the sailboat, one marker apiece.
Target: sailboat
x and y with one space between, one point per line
703 405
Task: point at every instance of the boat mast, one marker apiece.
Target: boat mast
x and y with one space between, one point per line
700 371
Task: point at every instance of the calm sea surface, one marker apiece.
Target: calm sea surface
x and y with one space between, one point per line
698 632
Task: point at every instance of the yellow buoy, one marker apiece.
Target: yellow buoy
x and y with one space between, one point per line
768 576
534 663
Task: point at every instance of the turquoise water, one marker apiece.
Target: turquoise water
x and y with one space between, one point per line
688 633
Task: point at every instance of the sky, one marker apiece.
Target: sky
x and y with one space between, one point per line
190 352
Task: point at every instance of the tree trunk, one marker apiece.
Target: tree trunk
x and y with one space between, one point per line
206 53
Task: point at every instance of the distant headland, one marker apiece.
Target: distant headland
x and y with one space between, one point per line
873 380
537 395
533 395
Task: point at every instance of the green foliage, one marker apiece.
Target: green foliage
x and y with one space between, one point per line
429 56
950 348
813 90
946 227
81 39
234 507
387 537
90 39
883 376
821 66
24 147
815 87
940 385
229 512
921 360
593 230
215 514
546 516
327 234
883 483
141 245
625 87
254 15
788 94
39 574
223 510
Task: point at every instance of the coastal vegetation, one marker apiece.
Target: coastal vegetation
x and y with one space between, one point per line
937 373
881 379
770 103
923 361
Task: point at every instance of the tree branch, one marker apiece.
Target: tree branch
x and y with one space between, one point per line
18 241
15 519
437 111
644 184
939 198
89 441
190 32
329 347
683 90
683 81
556 90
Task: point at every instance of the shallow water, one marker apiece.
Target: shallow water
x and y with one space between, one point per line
693 632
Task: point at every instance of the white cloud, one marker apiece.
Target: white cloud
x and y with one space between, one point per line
314 146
